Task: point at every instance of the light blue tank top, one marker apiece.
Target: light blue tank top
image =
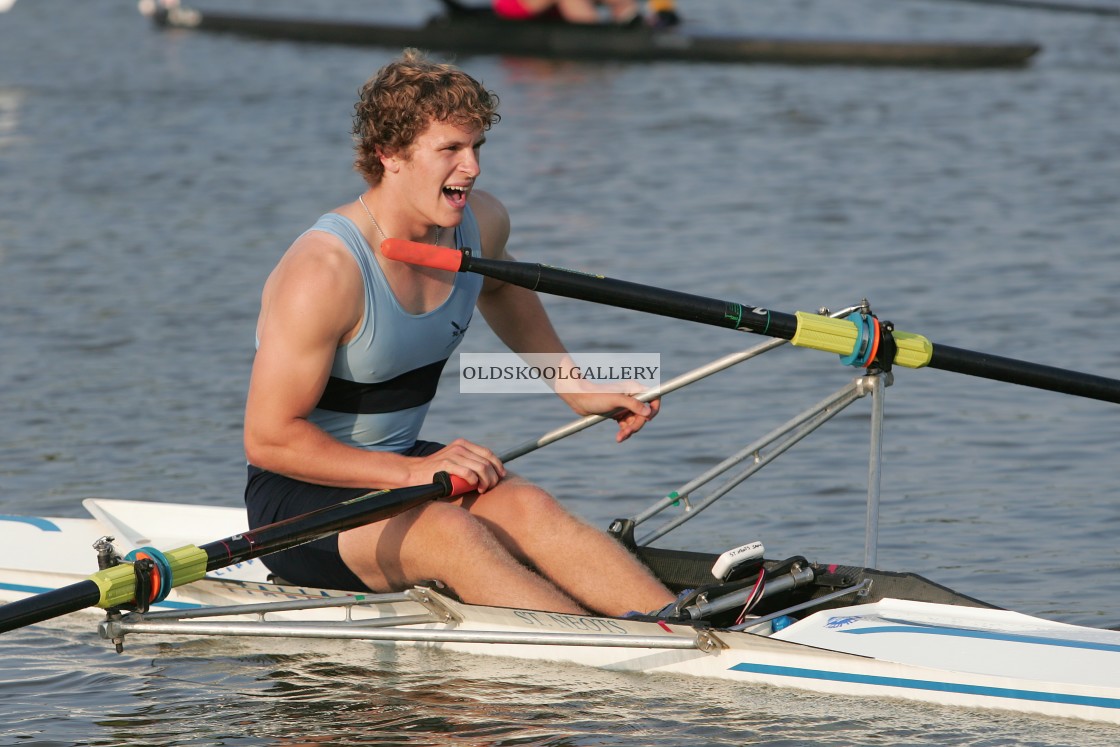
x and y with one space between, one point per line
384 379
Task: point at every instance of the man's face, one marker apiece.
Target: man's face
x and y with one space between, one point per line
440 169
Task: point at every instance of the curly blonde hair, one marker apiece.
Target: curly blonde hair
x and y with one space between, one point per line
398 103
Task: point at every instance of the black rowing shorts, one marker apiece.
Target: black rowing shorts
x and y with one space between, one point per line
270 497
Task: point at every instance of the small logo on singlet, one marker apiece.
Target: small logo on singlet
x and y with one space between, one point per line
457 331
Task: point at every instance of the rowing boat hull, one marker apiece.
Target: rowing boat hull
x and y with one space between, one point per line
955 654
468 34
744 658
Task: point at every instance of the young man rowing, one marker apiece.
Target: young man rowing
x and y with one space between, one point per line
350 348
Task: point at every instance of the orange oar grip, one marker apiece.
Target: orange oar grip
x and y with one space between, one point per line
426 255
459 486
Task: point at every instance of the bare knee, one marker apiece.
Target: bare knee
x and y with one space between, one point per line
441 534
518 503
525 518
415 546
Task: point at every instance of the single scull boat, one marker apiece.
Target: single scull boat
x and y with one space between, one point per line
463 30
827 628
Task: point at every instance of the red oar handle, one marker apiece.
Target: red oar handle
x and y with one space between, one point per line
426 255
459 486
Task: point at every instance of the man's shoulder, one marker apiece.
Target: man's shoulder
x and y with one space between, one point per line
317 255
484 204
493 222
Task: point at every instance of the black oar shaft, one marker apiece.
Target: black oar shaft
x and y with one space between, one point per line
116 586
986 366
624 294
299 530
914 350
49 605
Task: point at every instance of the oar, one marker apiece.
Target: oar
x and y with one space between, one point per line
860 342
121 585
1059 7
649 395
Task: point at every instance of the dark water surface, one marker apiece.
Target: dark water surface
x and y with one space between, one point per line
148 182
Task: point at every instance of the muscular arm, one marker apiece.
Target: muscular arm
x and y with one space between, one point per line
312 302
518 318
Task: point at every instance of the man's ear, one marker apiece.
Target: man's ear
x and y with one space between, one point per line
390 163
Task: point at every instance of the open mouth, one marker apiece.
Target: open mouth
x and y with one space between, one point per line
456 195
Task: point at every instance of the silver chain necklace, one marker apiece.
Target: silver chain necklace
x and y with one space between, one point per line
378 226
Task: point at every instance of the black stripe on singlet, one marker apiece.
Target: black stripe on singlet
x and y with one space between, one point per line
410 389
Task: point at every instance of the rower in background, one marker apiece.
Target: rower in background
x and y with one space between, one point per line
663 13
624 12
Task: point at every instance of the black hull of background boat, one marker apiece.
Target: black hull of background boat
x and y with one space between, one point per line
482 34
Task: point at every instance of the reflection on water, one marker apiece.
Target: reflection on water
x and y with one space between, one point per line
214 692
11 101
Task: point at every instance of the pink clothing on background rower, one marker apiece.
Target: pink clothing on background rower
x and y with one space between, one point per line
515 11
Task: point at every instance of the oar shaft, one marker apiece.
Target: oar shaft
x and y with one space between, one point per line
843 337
49 605
649 395
558 281
299 530
117 586
1012 371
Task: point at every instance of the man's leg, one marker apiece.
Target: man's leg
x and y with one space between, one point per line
587 564
480 547
441 540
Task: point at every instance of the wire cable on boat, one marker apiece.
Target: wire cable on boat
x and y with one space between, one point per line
756 594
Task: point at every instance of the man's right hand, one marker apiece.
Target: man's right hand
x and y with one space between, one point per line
476 465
